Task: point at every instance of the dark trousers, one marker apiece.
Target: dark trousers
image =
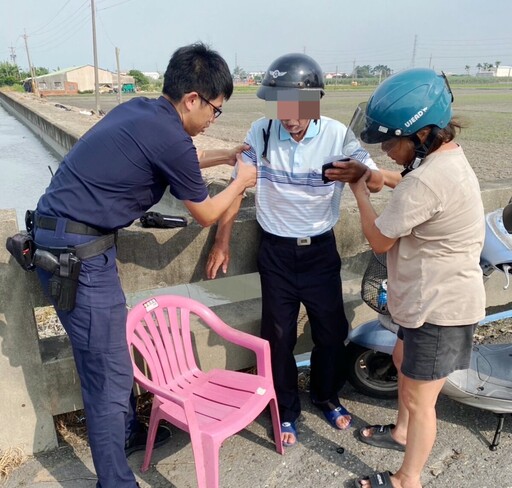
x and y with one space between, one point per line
97 331
291 274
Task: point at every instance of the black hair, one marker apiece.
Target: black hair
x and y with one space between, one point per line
197 68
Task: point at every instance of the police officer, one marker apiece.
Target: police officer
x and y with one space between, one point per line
298 259
114 173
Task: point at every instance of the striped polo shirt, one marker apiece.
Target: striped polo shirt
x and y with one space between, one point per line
291 198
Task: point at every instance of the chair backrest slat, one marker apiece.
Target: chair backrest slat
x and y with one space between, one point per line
142 341
162 337
181 328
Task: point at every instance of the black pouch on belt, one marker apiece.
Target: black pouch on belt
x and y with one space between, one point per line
22 248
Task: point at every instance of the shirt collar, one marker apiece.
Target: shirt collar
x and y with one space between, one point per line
312 131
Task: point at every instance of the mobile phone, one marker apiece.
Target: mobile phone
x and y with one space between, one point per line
329 166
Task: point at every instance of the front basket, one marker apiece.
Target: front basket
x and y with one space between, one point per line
374 284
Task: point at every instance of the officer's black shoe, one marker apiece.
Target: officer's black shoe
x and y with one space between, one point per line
137 441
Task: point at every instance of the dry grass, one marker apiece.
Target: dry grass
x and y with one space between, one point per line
10 459
48 324
72 429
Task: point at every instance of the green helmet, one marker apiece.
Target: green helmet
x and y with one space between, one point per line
405 103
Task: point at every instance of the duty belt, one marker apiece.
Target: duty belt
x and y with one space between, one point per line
81 251
72 227
86 250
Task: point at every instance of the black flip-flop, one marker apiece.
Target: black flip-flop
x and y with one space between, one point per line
381 437
377 480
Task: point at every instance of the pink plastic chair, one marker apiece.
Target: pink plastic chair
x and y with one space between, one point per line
211 406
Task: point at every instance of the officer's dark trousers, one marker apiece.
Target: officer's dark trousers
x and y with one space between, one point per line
291 274
97 331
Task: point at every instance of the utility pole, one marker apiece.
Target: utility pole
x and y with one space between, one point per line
119 87
13 54
13 59
95 52
33 83
413 60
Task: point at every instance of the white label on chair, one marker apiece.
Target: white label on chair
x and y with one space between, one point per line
261 391
150 305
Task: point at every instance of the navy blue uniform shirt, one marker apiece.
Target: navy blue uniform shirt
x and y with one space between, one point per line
121 167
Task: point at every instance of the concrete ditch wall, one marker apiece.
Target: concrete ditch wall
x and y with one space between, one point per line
58 137
40 375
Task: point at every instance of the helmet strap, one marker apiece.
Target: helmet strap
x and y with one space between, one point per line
266 137
421 149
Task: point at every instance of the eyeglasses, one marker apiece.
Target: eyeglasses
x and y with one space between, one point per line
217 112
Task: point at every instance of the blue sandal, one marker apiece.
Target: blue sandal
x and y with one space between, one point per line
289 428
332 415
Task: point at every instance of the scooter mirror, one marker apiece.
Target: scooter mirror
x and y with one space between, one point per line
507 217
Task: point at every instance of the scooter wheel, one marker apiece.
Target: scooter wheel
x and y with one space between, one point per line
372 373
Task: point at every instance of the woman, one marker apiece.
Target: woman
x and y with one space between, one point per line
432 231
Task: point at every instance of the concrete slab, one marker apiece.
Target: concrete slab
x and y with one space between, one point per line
460 458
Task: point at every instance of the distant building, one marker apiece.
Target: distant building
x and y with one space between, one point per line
154 75
485 73
335 76
504 71
499 72
79 79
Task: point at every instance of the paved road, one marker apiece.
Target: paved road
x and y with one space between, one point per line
460 459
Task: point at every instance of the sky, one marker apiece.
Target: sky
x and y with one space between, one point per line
446 35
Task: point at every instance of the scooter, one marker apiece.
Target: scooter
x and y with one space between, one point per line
487 384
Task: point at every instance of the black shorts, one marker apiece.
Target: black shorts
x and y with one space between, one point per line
432 352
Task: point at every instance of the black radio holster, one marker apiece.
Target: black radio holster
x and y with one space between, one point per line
22 247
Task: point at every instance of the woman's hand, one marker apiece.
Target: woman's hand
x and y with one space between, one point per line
359 187
346 171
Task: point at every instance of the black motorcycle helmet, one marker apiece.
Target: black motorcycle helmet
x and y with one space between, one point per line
294 70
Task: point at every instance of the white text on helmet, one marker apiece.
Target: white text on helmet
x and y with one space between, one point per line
416 117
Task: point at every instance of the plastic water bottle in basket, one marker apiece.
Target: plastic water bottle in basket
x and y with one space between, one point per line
374 286
382 297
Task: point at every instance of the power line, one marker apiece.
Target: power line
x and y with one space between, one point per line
115 5
49 22
57 27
